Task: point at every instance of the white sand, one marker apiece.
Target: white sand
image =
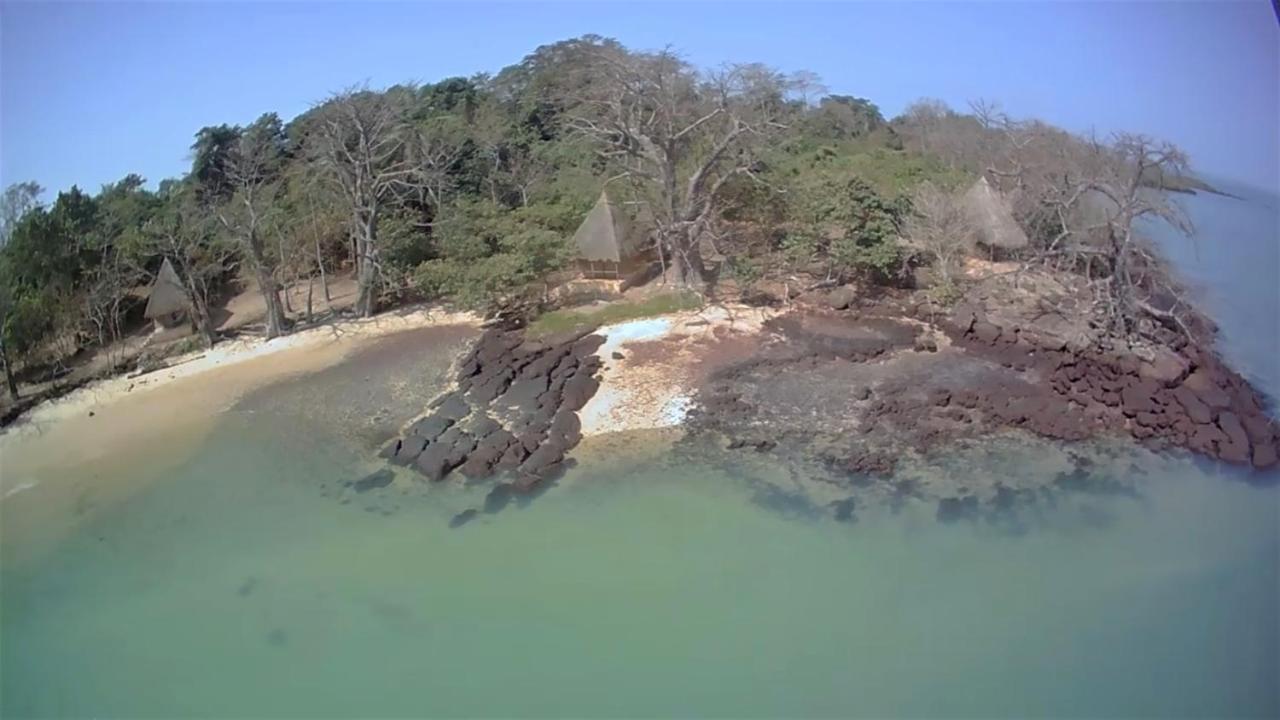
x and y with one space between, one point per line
654 392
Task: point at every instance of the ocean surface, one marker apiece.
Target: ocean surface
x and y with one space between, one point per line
1232 263
246 582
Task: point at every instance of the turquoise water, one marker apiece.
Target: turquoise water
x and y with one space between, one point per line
236 588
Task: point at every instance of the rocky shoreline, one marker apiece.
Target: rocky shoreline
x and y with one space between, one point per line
854 393
861 398
514 411
1184 397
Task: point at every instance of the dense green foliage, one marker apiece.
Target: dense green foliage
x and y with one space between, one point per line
468 190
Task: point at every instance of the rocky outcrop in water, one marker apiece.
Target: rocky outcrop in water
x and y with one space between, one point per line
856 393
1183 397
514 411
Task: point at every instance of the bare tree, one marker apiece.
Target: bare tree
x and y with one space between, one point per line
1085 203
1134 280
107 288
940 227
360 144
679 136
252 171
434 149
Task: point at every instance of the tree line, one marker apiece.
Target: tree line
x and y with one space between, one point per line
470 188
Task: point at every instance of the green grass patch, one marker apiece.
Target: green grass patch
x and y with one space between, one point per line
558 321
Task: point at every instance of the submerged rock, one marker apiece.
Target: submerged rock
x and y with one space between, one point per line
955 509
498 498
372 481
843 510
463 518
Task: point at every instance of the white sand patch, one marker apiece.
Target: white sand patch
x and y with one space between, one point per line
19 488
656 392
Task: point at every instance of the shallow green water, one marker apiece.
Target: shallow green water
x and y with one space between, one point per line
236 588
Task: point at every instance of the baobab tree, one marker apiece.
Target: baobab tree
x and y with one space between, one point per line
361 143
252 172
678 135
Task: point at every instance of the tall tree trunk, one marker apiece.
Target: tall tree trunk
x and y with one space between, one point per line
686 266
203 319
365 280
8 372
324 279
366 270
267 286
275 308
284 280
311 286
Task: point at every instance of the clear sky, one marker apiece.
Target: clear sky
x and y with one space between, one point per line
91 92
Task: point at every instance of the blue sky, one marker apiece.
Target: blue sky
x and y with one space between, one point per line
91 92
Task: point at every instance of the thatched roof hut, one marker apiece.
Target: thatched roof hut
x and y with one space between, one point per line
168 297
608 233
993 218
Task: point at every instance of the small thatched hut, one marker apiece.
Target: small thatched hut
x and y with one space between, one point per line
167 303
996 229
611 243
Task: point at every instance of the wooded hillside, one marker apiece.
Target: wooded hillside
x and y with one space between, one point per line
468 190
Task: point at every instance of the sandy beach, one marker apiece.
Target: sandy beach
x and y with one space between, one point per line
133 430
117 426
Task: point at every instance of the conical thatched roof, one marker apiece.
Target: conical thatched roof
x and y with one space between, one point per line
993 218
608 233
167 294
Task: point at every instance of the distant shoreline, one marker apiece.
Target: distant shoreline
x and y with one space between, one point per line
1189 185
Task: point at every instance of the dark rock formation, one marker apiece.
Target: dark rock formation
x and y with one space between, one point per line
498 498
463 518
515 410
846 395
1185 397
373 481
843 510
835 335
958 508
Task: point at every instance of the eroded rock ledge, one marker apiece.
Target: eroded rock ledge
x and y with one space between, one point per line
514 411
857 392
1185 397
